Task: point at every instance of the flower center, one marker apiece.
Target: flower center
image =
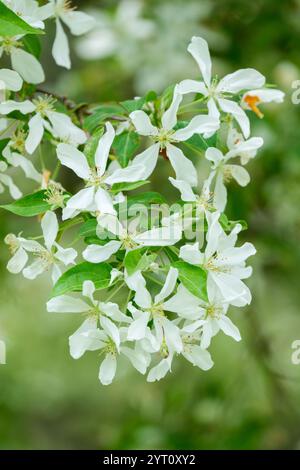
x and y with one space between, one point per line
55 195
96 180
110 347
128 242
212 265
18 141
164 137
9 43
45 256
213 311
12 242
64 6
157 310
252 102
43 104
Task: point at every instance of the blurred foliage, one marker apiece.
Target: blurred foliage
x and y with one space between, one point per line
250 399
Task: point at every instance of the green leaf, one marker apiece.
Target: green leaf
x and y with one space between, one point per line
228 225
125 145
167 96
3 144
148 198
30 205
193 278
118 187
100 114
150 96
94 240
88 229
91 146
32 44
73 279
133 105
12 25
138 260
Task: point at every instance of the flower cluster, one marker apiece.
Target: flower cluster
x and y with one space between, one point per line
154 281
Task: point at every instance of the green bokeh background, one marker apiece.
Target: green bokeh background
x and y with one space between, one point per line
250 399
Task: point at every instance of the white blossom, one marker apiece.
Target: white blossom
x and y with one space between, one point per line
78 22
218 93
45 118
24 63
223 262
95 197
52 255
165 137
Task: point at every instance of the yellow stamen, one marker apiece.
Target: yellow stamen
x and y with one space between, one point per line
252 102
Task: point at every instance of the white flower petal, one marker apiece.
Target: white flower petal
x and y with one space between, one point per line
110 329
137 283
168 286
242 79
24 107
65 255
65 129
112 224
202 124
108 369
199 357
88 290
266 95
239 173
183 167
142 123
35 135
192 86
18 261
138 358
198 48
169 118
13 189
82 340
74 159
214 155
229 328
140 169
185 189
67 304
207 334
103 149
78 22
161 236
137 329
98 253
27 66
17 160
104 202
238 113
159 371
49 226
220 193
35 269
60 49
191 254
12 79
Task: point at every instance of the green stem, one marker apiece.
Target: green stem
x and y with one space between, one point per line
200 100
56 170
